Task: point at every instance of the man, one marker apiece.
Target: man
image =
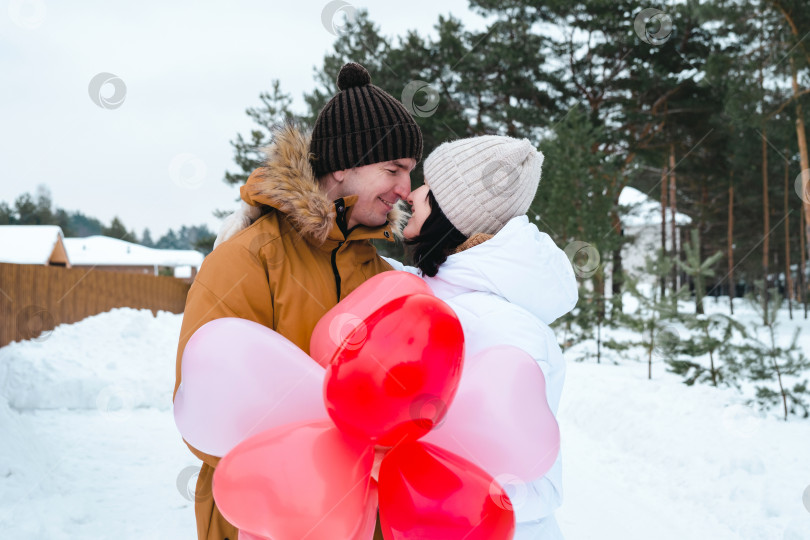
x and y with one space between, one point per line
321 200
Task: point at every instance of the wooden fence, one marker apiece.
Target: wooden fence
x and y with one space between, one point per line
35 299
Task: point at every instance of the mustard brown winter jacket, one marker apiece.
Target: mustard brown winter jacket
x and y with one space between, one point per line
285 271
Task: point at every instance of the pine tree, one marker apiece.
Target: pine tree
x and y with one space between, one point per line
62 218
205 244
146 238
168 241
82 225
197 237
697 268
274 110
773 367
574 206
26 209
713 335
119 231
656 316
7 215
43 213
585 322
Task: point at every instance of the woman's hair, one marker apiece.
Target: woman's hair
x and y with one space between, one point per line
437 239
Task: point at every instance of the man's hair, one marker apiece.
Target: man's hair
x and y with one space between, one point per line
437 239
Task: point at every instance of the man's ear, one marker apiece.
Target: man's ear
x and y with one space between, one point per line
339 176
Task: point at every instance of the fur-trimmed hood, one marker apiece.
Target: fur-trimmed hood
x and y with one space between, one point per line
286 182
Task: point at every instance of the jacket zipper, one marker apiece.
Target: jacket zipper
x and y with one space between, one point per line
335 269
340 208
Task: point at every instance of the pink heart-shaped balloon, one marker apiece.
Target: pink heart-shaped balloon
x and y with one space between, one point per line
304 480
429 492
240 378
386 376
350 312
500 418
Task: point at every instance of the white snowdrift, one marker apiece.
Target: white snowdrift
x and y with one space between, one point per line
125 357
89 448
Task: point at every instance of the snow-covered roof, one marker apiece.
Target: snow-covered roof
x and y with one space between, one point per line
106 251
182 271
30 244
645 210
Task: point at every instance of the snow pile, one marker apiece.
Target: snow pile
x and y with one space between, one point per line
90 450
108 462
124 358
657 459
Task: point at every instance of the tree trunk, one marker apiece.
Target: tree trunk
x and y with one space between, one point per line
788 273
781 388
618 280
804 159
766 225
803 260
731 285
618 271
599 293
766 215
599 290
778 371
598 342
663 225
711 357
673 210
700 284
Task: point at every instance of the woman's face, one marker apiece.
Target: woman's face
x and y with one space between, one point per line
420 210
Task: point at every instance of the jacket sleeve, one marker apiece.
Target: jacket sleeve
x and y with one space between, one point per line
544 495
396 265
541 497
510 325
232 282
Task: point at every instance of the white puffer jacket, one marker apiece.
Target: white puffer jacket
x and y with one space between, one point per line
506 291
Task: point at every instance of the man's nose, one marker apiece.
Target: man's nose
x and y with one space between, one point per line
403 187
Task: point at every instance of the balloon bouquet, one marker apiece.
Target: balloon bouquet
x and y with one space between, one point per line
387 370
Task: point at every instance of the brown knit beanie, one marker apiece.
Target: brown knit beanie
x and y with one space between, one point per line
362 125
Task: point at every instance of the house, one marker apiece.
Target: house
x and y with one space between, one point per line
642 223
46 245
33 244
105 253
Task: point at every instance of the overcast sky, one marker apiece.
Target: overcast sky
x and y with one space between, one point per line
190 68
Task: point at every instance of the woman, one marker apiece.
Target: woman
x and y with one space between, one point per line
477 250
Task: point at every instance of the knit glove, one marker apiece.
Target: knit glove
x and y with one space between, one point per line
239 220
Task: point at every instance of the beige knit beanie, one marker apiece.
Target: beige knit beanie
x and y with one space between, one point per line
482 182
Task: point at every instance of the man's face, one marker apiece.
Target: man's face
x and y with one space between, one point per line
378 186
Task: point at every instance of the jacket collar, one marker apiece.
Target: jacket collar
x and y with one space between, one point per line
287 183
474 240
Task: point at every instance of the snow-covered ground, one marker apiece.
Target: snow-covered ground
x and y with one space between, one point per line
89 448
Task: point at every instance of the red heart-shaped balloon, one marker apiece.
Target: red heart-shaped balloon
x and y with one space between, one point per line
304 480
428 492
393 378
350 312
